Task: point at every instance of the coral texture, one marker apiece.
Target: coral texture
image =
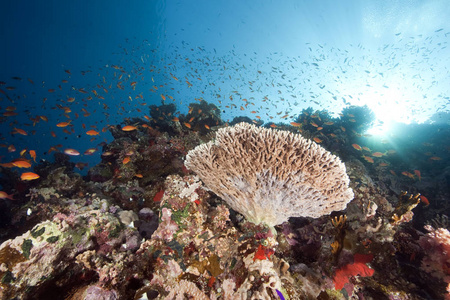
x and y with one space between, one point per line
270 175
437 246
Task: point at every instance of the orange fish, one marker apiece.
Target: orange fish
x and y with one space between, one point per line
11 148
20 131
296 124
92 132
377 154
407 174
51 149
21 164
139 175
435 158
383 164
29 176
417 172
207 127
357 147
71 152
90 151
4 195
187 125
392 172
368 159
175 119
63 124
424 200
7 165
273 125
317 140
81 165
10 114
107 153
126 160
129 128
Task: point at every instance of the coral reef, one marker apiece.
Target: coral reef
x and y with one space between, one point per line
143 226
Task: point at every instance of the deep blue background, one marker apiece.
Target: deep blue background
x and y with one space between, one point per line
390 55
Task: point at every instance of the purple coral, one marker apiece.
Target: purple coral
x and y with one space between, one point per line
95 292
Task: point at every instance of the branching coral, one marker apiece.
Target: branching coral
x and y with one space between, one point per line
270 175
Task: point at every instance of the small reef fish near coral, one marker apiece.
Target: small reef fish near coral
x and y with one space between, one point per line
187 162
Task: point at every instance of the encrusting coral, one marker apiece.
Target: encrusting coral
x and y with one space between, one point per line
270 175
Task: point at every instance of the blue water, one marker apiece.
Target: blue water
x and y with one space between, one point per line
262 59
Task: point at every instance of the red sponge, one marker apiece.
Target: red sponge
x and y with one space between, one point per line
358 267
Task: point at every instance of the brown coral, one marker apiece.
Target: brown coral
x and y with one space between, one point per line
270 175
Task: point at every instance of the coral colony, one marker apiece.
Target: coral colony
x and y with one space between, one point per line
219 210
271 175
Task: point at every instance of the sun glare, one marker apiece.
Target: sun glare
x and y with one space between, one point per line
387 107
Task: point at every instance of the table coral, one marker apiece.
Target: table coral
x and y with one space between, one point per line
270 175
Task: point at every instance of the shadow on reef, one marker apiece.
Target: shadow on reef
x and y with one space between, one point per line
141 223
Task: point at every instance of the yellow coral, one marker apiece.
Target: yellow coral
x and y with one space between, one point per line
339 222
